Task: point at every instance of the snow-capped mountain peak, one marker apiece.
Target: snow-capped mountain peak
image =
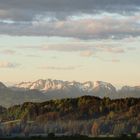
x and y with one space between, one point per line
49 85
2 86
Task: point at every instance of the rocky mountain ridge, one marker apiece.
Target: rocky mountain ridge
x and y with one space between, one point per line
43 90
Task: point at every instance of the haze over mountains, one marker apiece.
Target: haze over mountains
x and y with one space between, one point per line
42 90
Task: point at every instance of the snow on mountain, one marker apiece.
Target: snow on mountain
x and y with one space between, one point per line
65 89
42 85
2 86
42 90
51 85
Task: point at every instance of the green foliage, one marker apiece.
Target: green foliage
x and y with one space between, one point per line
100 116
85 107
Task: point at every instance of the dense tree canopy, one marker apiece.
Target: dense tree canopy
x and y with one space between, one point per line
83 115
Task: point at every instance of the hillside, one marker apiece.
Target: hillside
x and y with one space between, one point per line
81 114
82 108
10 97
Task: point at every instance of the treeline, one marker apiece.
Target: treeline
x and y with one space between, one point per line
85 115
82 108
95 128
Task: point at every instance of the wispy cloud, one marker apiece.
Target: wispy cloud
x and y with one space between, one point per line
86 53
111 48
33 55
60 67
66 47
115 60
8 52
85 49
5 64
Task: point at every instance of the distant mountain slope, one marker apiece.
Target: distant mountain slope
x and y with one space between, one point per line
43 90
2 86
49 85
10 97
60 89
127 91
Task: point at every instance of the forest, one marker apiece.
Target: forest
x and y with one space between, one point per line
85 115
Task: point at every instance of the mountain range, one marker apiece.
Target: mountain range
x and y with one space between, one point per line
42 90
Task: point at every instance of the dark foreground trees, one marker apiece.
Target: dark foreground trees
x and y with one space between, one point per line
85 115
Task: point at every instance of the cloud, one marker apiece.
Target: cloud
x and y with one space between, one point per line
85 49
90 19
32 56
131 48
66 47
27 10
86 53
59 67
115 60
106 27
5 64
116 50
8 52
112 49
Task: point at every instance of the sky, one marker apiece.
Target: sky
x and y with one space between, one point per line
82 40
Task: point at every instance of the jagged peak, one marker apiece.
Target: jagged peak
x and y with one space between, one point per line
2 86
50 84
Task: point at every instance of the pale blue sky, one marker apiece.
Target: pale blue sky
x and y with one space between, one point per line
81 42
